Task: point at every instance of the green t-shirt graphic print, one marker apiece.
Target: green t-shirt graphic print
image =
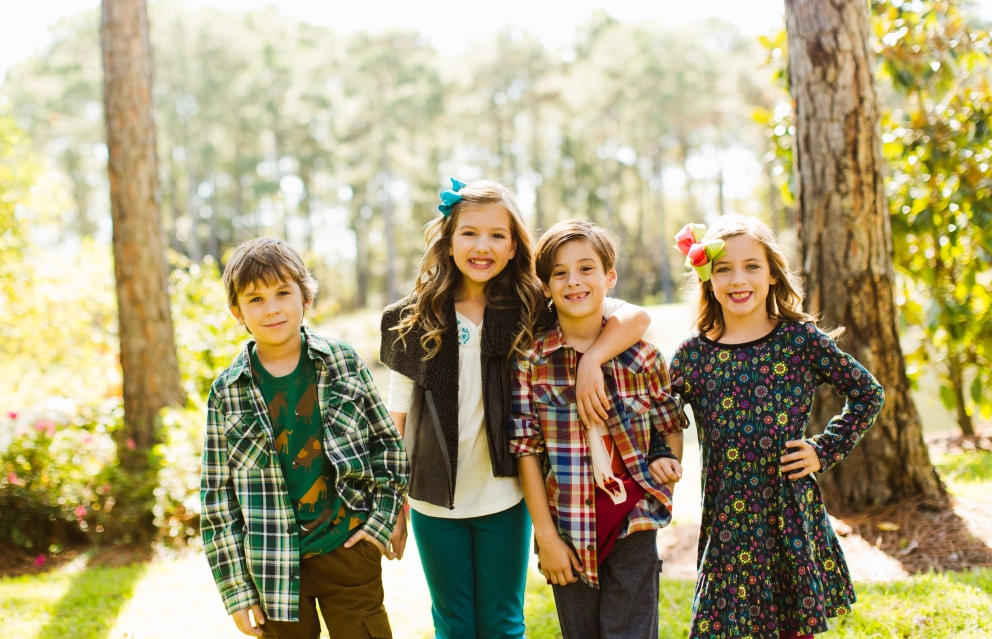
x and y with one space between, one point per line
294 411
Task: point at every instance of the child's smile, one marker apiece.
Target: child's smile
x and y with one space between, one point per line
742 279
482 243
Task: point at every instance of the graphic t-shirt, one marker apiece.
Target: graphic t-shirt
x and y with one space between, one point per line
294 410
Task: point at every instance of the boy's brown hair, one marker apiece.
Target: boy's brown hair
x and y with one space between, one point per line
563 232
269 260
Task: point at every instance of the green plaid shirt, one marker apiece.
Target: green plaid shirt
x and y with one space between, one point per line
250 533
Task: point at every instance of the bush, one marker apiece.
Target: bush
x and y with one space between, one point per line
61 482
54 488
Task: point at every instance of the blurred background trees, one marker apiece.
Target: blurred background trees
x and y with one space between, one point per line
266 125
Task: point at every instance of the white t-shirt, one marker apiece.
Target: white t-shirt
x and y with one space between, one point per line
477 491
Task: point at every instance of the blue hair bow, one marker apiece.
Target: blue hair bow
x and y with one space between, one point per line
450 197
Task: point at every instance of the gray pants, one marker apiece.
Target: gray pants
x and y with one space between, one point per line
626 604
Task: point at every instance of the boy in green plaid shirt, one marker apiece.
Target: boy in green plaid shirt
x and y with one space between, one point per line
304 473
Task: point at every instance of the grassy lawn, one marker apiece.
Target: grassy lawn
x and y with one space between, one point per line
86 605
57 605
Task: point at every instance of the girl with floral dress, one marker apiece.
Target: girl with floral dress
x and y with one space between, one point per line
769 564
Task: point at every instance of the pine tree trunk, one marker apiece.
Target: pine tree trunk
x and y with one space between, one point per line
148 351
846 245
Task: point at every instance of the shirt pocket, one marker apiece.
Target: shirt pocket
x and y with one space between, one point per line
554 410
246 443
346 429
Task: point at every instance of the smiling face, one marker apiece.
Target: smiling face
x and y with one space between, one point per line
578 283
273 313
482 243
742 278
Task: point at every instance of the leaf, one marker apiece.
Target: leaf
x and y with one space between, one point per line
947 397
976 389
887 526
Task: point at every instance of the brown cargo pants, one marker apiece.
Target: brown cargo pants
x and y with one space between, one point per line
347 584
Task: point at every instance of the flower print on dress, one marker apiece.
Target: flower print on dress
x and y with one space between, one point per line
768 558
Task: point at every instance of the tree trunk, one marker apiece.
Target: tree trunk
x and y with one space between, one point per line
955 367
392 294
148 351
846 245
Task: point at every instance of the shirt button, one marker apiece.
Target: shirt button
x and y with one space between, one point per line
589 547
290 530
588 502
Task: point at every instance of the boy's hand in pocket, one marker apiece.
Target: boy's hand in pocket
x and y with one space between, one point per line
360 535
666 470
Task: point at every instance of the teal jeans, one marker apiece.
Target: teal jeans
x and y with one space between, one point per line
476 571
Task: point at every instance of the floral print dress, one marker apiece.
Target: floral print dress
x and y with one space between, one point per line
768 557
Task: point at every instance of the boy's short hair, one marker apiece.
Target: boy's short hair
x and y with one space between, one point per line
269 260
561 233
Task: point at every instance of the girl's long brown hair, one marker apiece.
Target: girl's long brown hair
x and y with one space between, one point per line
439 278
785 297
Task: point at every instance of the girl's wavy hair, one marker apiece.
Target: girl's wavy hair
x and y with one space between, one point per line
785 297
439 278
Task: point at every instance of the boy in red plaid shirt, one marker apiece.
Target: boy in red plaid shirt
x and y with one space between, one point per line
597 496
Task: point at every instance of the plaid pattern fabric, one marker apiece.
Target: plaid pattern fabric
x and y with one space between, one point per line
545 422
250 533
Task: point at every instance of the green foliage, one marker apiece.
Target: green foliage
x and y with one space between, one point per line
270 126
968 467
61 482
207 337
18 168
939 146
937 141
53 489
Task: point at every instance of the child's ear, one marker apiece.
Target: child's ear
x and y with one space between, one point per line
611 278
547 291
236 312
307 305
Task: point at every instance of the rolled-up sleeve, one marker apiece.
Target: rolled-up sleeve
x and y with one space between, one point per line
524 427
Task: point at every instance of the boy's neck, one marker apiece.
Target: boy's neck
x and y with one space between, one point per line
581 332
279 359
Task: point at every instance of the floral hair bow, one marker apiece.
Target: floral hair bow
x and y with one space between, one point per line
450 197
699 255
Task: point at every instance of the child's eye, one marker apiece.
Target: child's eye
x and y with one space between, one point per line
753 266
255 299
722 269
586 269
499 236
557 273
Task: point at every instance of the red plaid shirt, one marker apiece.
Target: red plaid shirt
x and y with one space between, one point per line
545 422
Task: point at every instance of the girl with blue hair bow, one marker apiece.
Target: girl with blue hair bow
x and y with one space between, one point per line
474 305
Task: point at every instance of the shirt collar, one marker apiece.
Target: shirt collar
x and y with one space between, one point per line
317 349
554 340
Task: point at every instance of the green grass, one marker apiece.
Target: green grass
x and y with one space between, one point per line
967 474
931 606
57 605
